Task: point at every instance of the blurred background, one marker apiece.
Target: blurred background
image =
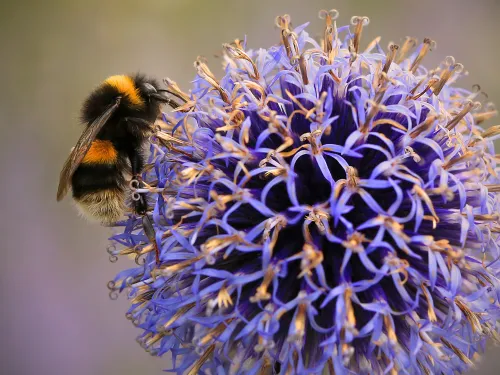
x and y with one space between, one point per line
56 317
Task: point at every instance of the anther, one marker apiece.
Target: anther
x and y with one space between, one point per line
486 217
352 178
468 106
491 132
461 355
424 126
213 333
446 75
489 112
174 89
391 54
426 46
205 73
406 47
262 294
200 361
409 152
329 17
430 84
283 22
376 107
266 367
311 258
351 318
179 313
238 43
303 69
354 242
237 53
461 159
359 22
431 314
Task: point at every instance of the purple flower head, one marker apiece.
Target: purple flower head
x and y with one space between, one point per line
322 208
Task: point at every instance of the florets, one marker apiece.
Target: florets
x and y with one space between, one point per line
322 207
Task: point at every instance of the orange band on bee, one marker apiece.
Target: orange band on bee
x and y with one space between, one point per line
101 152
125 86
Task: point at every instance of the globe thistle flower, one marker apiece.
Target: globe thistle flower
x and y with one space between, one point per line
322 208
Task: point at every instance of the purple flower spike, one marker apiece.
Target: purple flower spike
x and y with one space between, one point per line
321 209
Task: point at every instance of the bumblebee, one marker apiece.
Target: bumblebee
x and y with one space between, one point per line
118 116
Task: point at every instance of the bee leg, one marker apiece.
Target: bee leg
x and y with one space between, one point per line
141 205
139 123
149 230
137 164
277 368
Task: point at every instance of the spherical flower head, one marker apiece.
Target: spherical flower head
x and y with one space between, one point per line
322 208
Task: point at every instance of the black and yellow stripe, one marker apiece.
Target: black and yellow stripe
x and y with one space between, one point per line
98 183
126 86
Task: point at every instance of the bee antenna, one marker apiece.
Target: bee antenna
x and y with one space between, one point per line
164 99
172 93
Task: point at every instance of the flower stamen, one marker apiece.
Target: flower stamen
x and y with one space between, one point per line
169 270
430 84
445 76
354 242
262 294
408 44
431 314
359 23
423 127
237 53
427 45
468 106
311 258
205 73
303 69
180 312
329 17
391 54
283 22
195 370
489 113
461 355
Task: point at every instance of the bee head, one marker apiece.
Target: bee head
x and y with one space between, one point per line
150 91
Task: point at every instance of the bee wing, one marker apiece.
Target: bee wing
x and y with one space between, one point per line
81 148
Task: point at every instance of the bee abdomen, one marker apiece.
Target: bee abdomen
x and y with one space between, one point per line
105 206
98 184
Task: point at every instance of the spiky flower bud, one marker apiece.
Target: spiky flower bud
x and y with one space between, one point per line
322 208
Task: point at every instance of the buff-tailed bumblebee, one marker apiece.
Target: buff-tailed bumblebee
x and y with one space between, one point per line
118 116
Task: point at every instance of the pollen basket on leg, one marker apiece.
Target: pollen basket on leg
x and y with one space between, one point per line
125 85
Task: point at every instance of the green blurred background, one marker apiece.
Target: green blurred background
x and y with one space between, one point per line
56 317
